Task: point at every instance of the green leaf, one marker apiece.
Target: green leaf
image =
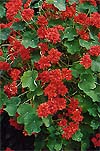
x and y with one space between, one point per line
94 94
38 91
87 82
39 145
54 143
27 117
2 11
23 110
96 65
35 56
32 123
95 124
11 109
3 99
77 136
30 39
18 25
11 105
84 144
60 4
28 79
77 69
50 1
72 1
46 121
87 6
69 33
87 44
73 47
58 146
93 110
4 33
85 103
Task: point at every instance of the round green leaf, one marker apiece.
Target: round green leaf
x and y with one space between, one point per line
94 94
95 124
23 110
87 82
11 109
46 121
60 4
32 123
73 47
30 39
2 11
96 65
3 99
4 33
11 105
28 79
77 136
69 33
87 44
18 25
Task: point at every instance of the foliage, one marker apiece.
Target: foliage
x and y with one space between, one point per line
50 71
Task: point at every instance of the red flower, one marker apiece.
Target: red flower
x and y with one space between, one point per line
43 110
28 2
1 53
81 18
42 31
12 8
14 123
96 140
27 14
66 74
62 123
11 89
16 49
59 27
55 88
54 56
95 19
46 6
99 36
4 66
70 12
15 74
43 47
8 149
50 91
83 34
76 116
53 35
60 103
94 50
86 61
44 62
55 75
44 77
69 130
42 21
2 110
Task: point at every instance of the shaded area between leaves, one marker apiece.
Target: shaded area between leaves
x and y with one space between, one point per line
10 137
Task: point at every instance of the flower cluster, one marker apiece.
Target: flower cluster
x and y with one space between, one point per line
55 90
70 126
45 54
96 140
